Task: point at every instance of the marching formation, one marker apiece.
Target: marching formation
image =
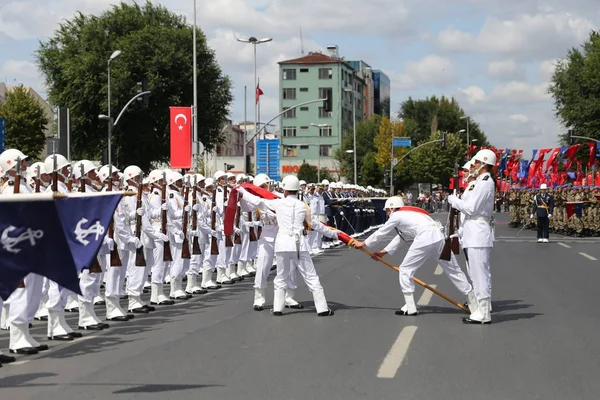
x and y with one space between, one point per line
172 232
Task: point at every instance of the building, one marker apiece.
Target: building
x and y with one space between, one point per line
230 151
382 88
365 71
310 133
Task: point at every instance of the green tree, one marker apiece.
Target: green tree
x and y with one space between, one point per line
156 47
422 117
371 173
365 143
434 164
383 139
575 87
307 172
25 122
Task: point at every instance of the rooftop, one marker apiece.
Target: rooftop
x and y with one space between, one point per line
314 58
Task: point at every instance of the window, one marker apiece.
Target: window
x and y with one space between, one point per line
291 151
290 113
325 131
289 74
289 94
303 69
304 147
303 108
323 113
304 128
325 73
304 89
325 150
325 93
289 131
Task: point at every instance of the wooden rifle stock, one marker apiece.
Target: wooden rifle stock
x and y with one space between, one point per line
17 190
251 233
195 240
185 249
55 181
214 246
140 260
451 244
167 256
238 237
228 241
95 268
115 259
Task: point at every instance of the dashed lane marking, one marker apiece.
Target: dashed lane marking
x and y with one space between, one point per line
589 257
394 358
438 270
426 297
564 245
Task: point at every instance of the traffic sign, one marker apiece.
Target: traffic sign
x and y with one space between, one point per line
394 161
402 142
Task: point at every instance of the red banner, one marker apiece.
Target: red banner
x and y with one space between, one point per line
181 137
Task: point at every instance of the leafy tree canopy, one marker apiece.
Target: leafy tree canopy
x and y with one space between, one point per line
434 164
365 137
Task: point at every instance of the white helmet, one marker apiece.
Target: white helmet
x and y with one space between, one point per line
218 175
230 175
290 183
131 172
61 162
8 159
302 182
35 167
468 165
103 173
209 182
88 166
543 186
240 177
261 179
393 202
485 156
155 176
325 182
173 177
200 178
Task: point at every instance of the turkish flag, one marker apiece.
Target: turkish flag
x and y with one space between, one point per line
181 137
259 92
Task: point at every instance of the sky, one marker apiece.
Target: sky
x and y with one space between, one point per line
495 57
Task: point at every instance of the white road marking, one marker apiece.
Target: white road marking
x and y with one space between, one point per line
589 257
426 297
395 356
19 362
564 245
438 270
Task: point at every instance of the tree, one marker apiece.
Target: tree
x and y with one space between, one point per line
365 136
575 87
25 122
156 47
434 164
422 117
371 172
307 172
383 139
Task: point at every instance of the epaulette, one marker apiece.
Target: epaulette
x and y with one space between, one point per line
472 187
11 183
171 195
485 178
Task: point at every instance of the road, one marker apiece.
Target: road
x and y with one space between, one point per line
542 343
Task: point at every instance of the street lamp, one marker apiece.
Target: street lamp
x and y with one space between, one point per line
253 41
114 55
319 149
467 118
461 131
354 131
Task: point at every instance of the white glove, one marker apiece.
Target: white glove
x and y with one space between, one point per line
136 242
164 207
194 233
196 207
237 231
241 191
140 211
531 216
178 234
110 243
452 199
549 216
187 209
257 223
163 238
214 234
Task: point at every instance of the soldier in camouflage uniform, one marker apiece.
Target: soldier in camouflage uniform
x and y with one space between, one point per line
512 208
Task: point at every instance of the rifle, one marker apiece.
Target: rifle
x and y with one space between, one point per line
228 241
17 190
214 246
238 237
39 180
185 249
251 233
451 244
54 174
195 240
115 259
167 247
140 260
95 268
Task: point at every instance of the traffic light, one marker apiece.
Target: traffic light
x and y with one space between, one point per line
229 166
443 140
570 137
143 87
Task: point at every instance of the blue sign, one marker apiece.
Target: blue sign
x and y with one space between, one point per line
268 158
2 134
402 142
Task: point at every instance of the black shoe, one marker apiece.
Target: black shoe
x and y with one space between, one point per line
295 306
124 297
73 310
100 303
401 312
44 318
64 338
120 318
163 303
75 335
139 310
42 347
130 316
149 308
475 322
200 291
28 351
258 308
326 313
6 359
96 327
276 313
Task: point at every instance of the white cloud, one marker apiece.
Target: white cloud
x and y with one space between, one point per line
519 118
19 72
547 69
431 70
539 36
474 94
520 92
506 69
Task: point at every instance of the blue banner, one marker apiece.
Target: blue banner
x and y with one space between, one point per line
85 218
32 241
268 158
2 134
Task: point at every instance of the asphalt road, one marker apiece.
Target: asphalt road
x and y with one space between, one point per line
542 343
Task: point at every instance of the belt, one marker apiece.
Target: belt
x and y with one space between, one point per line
478 218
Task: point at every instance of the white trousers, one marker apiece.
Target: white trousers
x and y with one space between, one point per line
209 261
416 258
235 252
224 254
179 265
245 247
158 265
286 261
57 297
115 276
24 302
136 276
89 285
479 267
264 262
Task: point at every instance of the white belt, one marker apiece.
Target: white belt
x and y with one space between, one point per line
477 218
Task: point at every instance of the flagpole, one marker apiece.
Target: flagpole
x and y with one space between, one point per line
245 129
258 101
195 109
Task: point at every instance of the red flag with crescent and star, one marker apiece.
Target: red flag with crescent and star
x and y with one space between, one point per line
181 137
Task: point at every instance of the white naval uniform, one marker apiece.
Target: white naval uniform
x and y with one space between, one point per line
317 209
193 272
467 192
175 223
478 238
428 242
291 247
206 235
154 246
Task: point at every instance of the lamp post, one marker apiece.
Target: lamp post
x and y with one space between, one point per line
319 149
195 113
253 41
114 55
354 132
467 118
